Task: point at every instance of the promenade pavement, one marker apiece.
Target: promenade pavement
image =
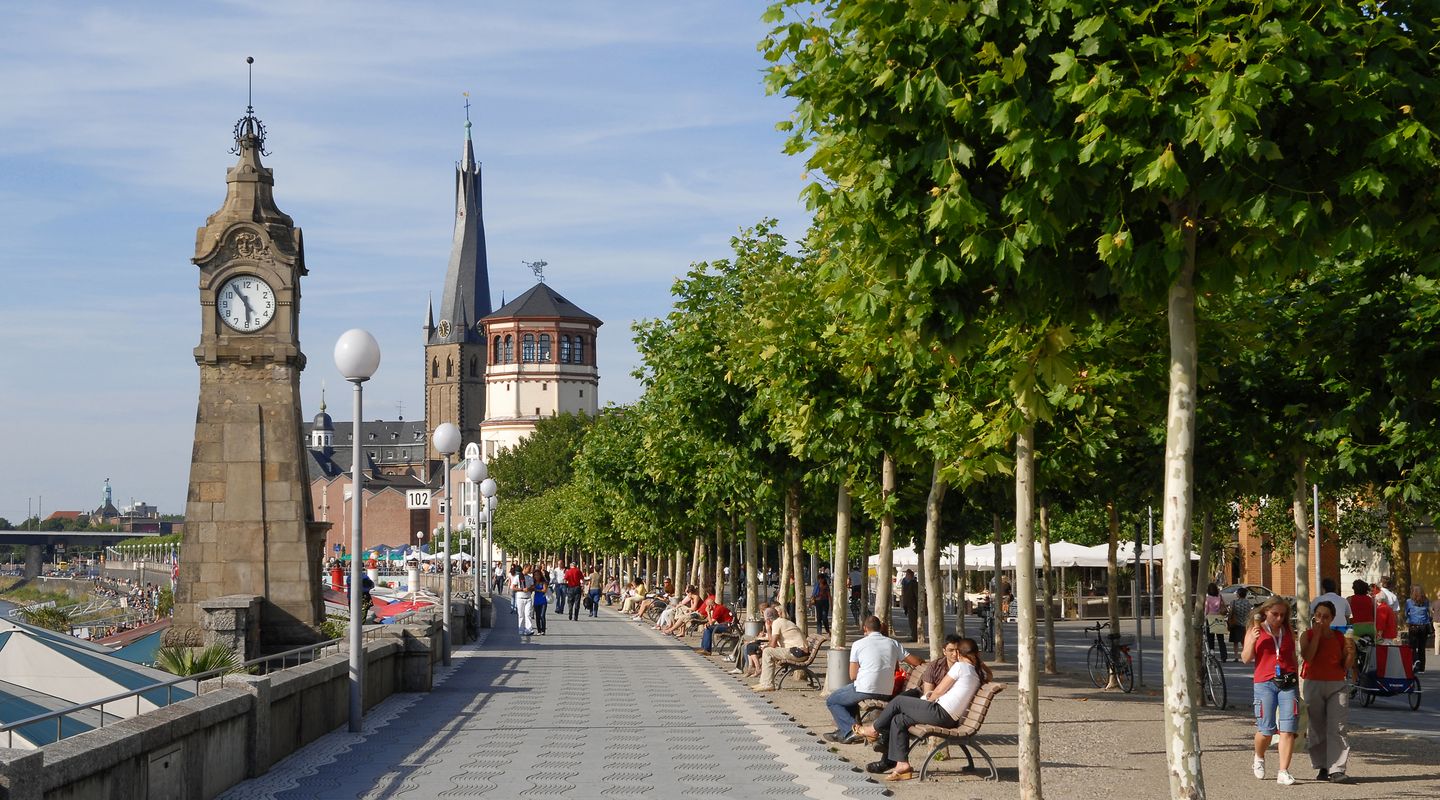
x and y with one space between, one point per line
597 708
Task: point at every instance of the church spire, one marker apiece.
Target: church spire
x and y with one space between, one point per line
467 281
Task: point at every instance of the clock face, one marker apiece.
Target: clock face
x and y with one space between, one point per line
245 303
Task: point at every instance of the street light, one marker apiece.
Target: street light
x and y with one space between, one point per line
447 441
357 356
487 490
476 471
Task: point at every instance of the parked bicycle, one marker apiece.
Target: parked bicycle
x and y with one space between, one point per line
1110 658
1212 678
986 638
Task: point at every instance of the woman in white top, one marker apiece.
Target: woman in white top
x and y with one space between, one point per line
944 706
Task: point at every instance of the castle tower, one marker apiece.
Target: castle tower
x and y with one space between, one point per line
249 529
542 364
455 346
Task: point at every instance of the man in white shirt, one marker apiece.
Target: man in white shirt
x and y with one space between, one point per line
1342 607
557 580
1388 595
872 674
522 586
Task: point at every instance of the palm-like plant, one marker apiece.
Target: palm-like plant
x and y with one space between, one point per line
51 618
193 661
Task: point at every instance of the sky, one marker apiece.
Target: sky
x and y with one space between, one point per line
621 142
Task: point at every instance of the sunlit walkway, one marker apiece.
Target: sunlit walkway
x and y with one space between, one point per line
596 708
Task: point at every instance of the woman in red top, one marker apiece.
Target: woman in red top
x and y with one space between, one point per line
1362 609
1328 657
1270 644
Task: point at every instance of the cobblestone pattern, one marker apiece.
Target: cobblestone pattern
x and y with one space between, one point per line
597 708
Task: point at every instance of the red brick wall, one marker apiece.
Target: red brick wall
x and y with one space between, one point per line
1279 575
387 519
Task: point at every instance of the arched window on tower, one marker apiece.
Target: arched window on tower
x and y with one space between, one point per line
435 368
579 355
544 348
564 349
527 348
509 349
474 366
449 367
496 358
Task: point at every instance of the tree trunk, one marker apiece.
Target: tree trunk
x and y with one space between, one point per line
752 570
1112 576
697 568
995 600
840 570
797 555
1207 537
1028 677
682 571
1047 588
1399 550
1300 515
865 575
885 569
930 565
784 561
719 560
1182 731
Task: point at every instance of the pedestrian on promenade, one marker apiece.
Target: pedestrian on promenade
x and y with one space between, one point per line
785 642
540 598
1386 593
1270 645
943 706
573 578
556 583
592 589
854 580
1362 609
820 598
1238 618
522 586
1342 608
1328 658
910 602
1215 623
872 677
1418 620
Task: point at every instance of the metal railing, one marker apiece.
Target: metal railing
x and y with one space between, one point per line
300 655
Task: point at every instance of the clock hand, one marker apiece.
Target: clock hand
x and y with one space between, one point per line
249 312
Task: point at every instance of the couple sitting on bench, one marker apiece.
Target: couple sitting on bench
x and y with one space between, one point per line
944 706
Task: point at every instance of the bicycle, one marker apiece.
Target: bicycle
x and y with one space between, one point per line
986 636
1110 658
1212 678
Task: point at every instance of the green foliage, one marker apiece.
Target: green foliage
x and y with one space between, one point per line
194 661
544 461
167 539
334 627
54 618
166 603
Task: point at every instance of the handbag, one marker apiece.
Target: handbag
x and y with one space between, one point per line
588 603
799 652
1286 681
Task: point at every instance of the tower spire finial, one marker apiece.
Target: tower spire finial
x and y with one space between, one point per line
322 397
249 131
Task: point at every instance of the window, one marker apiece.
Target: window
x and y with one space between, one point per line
509 349
495 359
544 348
435 368
537 411
527 349
579 355
449 367
582 392
544 387
474 367
564 349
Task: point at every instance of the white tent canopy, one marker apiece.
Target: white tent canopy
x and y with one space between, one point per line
1062 554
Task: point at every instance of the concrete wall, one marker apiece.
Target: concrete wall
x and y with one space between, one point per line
235 729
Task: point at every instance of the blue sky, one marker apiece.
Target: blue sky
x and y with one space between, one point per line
621 142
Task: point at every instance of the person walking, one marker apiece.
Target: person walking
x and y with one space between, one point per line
1215 622
910 602
1239 618
1270 645
1418 621
556 583
593 583
1328 658
522 585
820 598
573 578
944 706
540 598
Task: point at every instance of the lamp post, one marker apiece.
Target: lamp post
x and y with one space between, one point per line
487 490
357 356
476 471
447 442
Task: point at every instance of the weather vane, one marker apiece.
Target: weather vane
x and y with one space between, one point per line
537 267
467 107
249 127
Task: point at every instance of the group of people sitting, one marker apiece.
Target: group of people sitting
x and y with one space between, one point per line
680 617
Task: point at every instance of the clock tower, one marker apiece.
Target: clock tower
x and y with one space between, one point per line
249 527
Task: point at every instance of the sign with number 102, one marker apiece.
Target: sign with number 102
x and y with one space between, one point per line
417 498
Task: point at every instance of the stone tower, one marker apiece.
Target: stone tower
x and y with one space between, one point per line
455 346
248 520
542 363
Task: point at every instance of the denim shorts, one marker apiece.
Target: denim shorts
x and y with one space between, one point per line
1276 710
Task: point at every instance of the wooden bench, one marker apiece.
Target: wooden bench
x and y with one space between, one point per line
870 709
963 736
802 666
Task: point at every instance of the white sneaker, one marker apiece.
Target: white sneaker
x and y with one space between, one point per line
1284 778
1259 768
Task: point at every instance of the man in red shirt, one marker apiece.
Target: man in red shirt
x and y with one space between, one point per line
573 578
718 619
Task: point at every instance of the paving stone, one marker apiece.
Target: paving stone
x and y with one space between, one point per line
597 707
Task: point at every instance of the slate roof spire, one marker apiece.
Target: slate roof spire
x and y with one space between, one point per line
467 281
